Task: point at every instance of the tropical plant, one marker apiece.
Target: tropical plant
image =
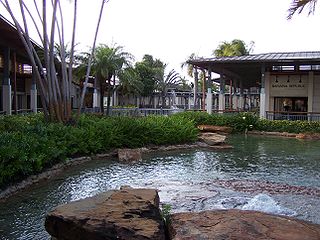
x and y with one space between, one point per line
108 62
297 6
166 82
188 65
148 71
54 88
130 82
234 48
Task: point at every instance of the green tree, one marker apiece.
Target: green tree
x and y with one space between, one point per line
130 82
297 6
149 70
107 63
190 67
234 48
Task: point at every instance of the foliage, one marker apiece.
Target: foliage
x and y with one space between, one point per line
28 144
165 213
236 47
250 121
239 122
297 6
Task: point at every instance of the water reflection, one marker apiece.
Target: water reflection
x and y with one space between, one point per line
186 180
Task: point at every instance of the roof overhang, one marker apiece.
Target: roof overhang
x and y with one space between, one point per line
249 68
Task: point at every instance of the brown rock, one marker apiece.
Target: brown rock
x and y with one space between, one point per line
311 136
215 129
129 155
240 225
121 214
212 138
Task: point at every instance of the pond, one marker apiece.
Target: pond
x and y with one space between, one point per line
277 175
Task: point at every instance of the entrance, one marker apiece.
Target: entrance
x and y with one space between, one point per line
291 104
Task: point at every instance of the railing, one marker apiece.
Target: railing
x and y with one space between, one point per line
293 116
143 111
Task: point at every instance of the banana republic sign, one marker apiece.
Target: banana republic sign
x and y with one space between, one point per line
289 86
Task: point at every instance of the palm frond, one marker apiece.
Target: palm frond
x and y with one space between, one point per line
297 6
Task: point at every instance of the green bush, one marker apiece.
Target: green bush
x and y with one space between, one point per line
28 144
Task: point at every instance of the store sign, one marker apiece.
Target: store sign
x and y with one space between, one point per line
295 85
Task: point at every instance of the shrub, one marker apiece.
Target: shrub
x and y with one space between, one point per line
28 144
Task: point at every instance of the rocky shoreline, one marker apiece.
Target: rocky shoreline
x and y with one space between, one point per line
135 214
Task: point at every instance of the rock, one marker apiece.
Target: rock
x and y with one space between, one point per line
212 138
215 129
120 214
310 136
240 225
129 155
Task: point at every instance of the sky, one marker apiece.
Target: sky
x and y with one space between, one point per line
172 30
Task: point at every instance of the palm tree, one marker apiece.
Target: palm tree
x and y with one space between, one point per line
107 63
190 67
165 82
130 82
234 48
297 6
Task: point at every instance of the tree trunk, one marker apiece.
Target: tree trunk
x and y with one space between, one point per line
108 96
101 97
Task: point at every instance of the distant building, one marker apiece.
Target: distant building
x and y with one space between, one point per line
288 83
18 90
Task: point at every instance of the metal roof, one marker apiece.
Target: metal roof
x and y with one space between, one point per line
249 67
264 57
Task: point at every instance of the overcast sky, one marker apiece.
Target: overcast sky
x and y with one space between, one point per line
173 29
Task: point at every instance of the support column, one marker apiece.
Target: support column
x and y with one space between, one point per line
195 89
6 84
222 100
189 101
241 96
209 94
263 94
33 93
310 91
95 100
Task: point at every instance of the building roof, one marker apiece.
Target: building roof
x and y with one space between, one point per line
265 57
249 67
10 38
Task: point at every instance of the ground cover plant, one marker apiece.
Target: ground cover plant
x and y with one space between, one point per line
29 144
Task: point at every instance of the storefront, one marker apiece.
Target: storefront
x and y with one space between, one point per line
289 83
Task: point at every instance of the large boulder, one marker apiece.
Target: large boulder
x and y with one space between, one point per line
240 225
212 138
129 155
121 214
215 129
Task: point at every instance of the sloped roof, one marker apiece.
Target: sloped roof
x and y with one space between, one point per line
265 57
249 67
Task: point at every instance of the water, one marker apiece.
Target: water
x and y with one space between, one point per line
274 175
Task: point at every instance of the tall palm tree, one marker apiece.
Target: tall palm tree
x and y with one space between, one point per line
236 47
297 6
190 67
107 63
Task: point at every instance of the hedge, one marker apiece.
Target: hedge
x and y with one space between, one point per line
28 144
